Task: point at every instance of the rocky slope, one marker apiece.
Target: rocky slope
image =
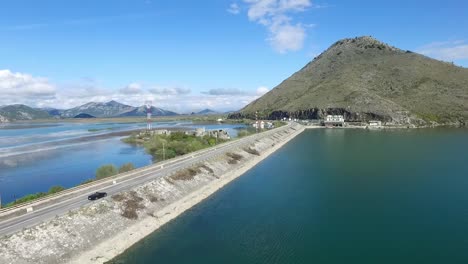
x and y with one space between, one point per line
365 79
3 119
109 109
141 111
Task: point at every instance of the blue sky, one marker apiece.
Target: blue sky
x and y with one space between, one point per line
190 55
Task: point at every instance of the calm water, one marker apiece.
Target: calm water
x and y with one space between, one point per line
37 156
332 196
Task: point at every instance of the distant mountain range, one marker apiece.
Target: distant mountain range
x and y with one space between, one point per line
365 79
109 109
207 112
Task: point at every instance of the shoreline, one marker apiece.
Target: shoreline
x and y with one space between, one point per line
115 246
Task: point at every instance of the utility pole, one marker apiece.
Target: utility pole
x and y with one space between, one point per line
148 105
256 121
164 152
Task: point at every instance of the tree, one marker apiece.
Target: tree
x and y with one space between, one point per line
106 171
126 167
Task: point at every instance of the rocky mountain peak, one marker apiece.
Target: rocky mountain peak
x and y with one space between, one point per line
364 42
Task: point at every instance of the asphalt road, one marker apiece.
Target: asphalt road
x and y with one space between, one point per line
13 225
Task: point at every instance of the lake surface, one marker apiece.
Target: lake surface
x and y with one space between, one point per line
332 196
37 156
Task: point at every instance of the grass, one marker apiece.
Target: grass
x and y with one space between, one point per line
245 132
32 197
430 117
368 80
101 129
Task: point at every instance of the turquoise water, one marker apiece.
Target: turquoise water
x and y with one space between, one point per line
37 156
332 196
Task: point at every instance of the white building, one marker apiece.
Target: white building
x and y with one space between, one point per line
259 124
334 120
162 132
375 124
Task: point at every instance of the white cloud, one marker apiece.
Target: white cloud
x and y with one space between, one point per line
262 90
234 9
165 90
276 16
133 88
447 50
19 87
225 91
288 38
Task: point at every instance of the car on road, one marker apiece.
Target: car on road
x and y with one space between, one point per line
97 195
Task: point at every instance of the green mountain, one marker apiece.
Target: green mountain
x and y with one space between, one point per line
21 112
363 79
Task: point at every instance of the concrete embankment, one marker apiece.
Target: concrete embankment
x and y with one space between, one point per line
98 232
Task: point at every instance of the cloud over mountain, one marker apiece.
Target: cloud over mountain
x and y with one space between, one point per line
277 16
169 90
22 88
446 50
16 86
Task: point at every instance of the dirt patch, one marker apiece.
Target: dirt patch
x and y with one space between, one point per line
131 205
208 169
118 197
234 158
252 151
153 198
186 175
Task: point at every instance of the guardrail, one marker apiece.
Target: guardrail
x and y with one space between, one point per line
123 176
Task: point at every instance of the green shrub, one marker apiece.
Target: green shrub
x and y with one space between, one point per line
126 167
177 144
106 171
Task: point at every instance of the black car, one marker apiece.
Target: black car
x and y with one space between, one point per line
97 195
